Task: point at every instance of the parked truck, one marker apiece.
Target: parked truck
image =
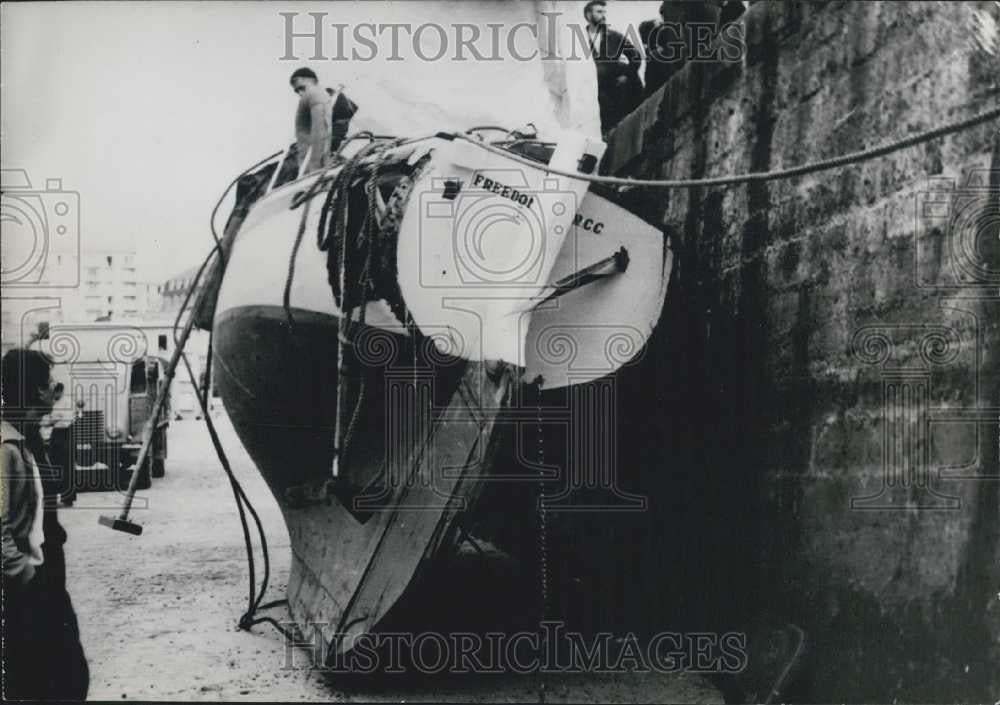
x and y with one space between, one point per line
110 374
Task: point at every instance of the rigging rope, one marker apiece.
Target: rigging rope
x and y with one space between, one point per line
339 199
338 221
255 597
335 227
801 170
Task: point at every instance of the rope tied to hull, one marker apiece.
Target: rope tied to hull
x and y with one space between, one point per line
364 284
361 263
791 172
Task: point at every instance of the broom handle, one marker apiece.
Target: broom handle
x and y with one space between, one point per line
150 427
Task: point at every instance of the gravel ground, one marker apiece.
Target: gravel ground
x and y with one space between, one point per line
158 612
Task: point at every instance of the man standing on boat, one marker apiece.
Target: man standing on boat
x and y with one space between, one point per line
322 118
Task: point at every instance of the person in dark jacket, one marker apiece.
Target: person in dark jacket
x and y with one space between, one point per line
42 655
619 88
685 28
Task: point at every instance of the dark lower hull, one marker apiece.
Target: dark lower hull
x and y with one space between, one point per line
415 457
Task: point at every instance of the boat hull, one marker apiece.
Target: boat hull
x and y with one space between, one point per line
415 461
418 424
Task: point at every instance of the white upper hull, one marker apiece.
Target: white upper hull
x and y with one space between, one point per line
477 292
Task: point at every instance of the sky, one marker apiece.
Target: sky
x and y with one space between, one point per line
148 110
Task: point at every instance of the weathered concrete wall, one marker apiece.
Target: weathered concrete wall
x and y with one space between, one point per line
826 375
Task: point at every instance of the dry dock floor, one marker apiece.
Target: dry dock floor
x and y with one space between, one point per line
158 612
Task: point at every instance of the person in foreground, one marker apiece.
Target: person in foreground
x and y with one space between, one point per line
42 655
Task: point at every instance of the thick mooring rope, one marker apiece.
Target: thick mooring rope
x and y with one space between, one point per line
810 168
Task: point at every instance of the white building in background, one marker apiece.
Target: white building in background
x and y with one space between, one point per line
169 296
107 290
108 285
150 293
173 292
111 287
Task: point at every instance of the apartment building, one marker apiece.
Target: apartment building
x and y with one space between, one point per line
111 287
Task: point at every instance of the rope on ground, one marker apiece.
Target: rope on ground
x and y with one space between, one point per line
248 618
812 167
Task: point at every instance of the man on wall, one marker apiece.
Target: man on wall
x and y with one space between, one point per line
619 89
